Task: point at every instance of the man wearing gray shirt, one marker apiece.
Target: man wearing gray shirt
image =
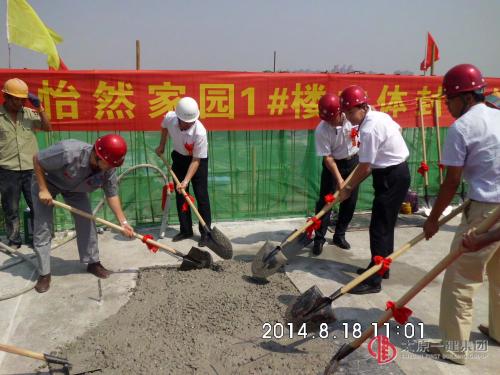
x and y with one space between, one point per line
74 169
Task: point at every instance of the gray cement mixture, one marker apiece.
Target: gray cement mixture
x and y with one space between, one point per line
209 322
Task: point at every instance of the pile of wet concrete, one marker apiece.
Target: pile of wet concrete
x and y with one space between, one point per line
207 321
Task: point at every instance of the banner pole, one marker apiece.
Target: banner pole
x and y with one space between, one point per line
432 59
138 55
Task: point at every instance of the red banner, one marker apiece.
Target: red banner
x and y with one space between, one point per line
138 100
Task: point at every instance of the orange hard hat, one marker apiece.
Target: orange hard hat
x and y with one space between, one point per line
16 87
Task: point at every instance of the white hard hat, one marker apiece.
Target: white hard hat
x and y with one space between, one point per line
187 109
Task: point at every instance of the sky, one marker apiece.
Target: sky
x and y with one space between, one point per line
382 36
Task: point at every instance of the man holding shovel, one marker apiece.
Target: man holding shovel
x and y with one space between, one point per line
74 169
189 163
471 148
383 154
337 142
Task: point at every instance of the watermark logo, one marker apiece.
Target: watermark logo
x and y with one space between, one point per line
385 351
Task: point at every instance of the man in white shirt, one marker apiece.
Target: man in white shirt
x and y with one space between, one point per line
382 153
190 163
337 142
472 148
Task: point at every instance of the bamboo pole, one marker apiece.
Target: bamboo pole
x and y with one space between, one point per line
138 55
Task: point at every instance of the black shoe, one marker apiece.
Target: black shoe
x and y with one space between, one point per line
485 330
317 248
341 242
14 245
181 236
203 240
359 271
365 288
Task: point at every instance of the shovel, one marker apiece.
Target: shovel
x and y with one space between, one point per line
427 208
312 306
347 349
40 356
270 258
438 139
195 259
448 209
217 241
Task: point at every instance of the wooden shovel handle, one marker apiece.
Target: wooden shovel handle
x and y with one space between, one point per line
191 204
483 227
24 352
114 226
424 148
438 137
403 249
327 207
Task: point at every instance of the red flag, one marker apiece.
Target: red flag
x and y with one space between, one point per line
62 65
428 60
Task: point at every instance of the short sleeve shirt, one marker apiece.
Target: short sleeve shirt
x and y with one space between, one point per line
381 142
473 142
67 167
338 141
17 139
190 142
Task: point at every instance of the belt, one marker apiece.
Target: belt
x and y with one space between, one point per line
348 158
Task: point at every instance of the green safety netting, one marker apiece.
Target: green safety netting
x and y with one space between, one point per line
252 175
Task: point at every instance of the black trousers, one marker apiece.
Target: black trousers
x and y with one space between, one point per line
347 207
199 181
12 184
391 185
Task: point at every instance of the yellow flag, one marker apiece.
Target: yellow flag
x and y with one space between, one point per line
27 30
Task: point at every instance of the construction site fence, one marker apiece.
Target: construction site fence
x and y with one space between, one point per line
252 175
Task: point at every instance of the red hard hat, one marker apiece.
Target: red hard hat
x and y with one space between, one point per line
328 106
462 78
352 96
111 148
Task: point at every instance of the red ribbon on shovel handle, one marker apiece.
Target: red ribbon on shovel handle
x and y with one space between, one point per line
315 226
164 193
401 314
185 206
151 247
386 264
424 168
329 198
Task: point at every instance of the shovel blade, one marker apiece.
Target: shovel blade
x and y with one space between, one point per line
196 259
268 260
219 244
311 307
291 249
